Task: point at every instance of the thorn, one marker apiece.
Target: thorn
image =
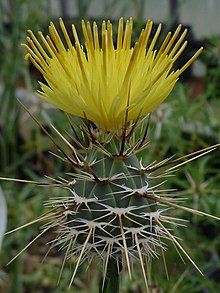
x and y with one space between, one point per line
25 181
45 216
190 210
141 261
196 155
128 136
64 260
72 127
146 131
32 241
80 257
178 245
125 245
89 129
106 265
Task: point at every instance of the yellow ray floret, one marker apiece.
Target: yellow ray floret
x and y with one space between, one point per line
106 82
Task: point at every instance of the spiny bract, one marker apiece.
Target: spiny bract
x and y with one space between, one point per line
113 211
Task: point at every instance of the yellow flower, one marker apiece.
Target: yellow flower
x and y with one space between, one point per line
106 83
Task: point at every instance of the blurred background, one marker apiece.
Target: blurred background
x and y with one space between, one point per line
187 121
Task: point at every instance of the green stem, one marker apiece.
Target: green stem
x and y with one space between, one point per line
111 282
16 284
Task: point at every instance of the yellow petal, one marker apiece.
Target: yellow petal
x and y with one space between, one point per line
108 81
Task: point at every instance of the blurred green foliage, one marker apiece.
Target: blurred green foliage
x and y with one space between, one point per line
181 125
211 59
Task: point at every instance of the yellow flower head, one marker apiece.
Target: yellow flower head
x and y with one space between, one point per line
105 82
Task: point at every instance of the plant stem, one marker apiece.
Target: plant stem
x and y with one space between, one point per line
16 284
111 282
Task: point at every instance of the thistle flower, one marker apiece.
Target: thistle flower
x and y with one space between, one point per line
114 210
103 82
